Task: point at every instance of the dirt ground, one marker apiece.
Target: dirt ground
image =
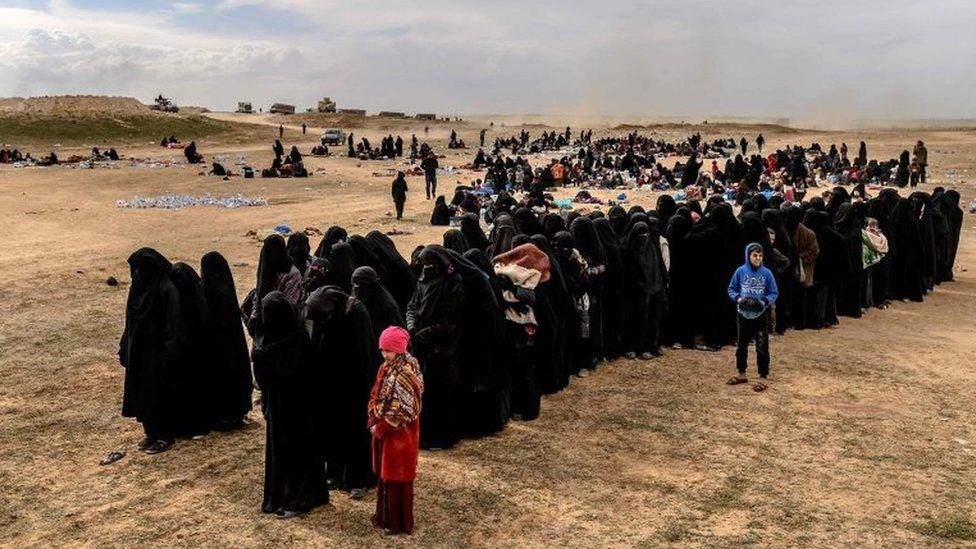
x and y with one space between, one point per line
865 437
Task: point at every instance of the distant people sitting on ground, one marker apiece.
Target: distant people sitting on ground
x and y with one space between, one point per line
191 154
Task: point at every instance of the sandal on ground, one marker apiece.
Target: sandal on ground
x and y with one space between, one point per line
112 457
760 387
145 443
736 381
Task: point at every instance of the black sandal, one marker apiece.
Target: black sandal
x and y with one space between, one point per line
760 387
159 447
736 381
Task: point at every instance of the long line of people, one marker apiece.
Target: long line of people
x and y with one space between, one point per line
495 320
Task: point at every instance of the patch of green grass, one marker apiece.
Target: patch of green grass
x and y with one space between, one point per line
20 130
955 527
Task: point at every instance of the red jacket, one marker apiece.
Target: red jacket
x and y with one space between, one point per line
395 451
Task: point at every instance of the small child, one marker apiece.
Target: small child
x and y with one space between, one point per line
753 288
394 421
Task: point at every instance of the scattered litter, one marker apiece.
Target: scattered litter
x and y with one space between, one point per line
112 457
972 206
282 229
176 202
112 281
394 232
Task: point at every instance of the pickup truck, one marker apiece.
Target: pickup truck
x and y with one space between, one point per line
333 137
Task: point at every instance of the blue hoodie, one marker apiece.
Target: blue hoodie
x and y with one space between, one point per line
755 282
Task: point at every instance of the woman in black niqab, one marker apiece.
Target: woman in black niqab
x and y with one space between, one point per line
613 293
679 326
342 262
153 344
299 251
232 365
371 292
333 236
645 281
294 468
400 279
471 229
454 240
553 307
949 204
441 216
194 378
907 265
592 279
365 256
666 207
553 223
527 222
348 357
848 223
618 220
275 272
434 320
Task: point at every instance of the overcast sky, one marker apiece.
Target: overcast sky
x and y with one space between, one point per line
855 59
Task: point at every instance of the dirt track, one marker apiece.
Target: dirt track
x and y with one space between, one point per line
865 437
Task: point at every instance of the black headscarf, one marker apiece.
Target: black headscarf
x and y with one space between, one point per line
232 368
666 207
299 250
365 255
587 242
383 309
454 240
553 223
400 279
274 261
334 235
342 262
471 229
527 223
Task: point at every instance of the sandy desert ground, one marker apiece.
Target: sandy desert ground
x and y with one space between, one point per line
866 437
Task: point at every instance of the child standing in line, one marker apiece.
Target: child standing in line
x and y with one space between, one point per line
753 288
394 421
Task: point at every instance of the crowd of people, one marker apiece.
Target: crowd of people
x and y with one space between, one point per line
362 356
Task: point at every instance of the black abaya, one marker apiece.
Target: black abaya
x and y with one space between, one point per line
232 365
348 356
153 344
294 472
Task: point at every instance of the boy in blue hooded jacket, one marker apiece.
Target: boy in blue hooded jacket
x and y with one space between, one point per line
753 288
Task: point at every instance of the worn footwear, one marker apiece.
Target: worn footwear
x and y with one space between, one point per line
159 447
286 514
145 443
630 355
357 493
647 355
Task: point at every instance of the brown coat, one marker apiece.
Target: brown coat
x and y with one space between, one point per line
808 250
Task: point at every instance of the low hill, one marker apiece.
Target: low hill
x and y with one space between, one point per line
98 120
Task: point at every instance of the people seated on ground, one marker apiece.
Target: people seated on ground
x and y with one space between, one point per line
96 154
112 154
191 154
49 160
294 157
167 141
320 150
218 170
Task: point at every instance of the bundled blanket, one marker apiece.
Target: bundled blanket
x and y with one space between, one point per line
525 266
